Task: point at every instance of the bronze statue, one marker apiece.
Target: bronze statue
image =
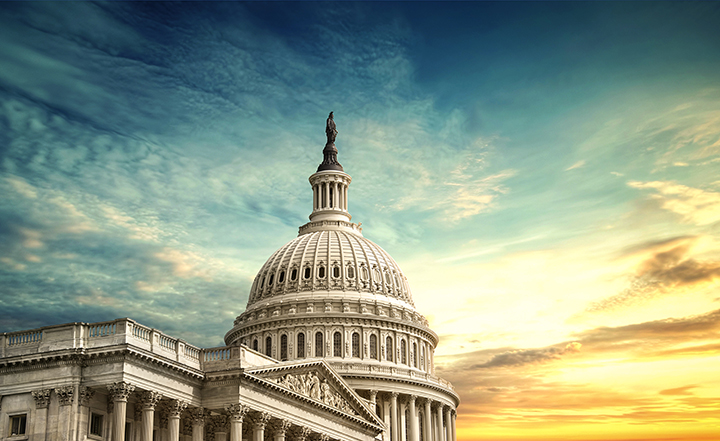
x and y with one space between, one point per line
330 130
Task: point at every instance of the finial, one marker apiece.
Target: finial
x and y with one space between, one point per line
330 161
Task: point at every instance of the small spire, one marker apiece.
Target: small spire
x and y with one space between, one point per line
330 161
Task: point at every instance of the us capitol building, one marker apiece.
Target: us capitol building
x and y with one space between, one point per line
330 347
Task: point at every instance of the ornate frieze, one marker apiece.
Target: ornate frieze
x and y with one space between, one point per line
65 395
311 386
42 398
120 391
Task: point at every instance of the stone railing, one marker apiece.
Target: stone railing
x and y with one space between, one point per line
378 370
90 336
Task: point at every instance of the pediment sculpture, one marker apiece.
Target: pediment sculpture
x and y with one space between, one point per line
311 386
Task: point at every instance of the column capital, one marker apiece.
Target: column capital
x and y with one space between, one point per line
260 419
301 433
411 399
120 391
198 416
321 437
84 395
175 408
149 399
237 411
42 398
373 393
281 426
394 395
65 394
216 423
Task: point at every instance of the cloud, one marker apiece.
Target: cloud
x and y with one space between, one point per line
668 270
529 356
683 390
576 165
694 205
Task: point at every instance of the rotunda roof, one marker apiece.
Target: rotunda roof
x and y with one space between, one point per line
330 260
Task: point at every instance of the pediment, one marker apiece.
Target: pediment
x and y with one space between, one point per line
316 381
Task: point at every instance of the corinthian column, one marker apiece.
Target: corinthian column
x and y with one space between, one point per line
198 427
280 428
414 430
236 413
260 420
175 408
427 426
119 393
42 400
148 401
394 426
448 424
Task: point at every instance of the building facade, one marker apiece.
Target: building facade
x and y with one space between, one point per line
330 346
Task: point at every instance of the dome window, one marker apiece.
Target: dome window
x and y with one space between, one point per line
414 355
389 349
403 352
364 273
356 345
270 280
336 271
281 277
319 344
301 345
255 344
283 347
293 274
268 346
262 283
321 272
377 277
350 272
373 347
337 345
388 280
307 273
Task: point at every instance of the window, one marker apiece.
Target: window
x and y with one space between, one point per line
301 345
18 424
356 345
364 273
281 277
321 272
403 352
336 271
283 347
293 274
377 277
350 272
268 346
262 283
319 344
373 347
337 344
270 281
388 349
422 357
96 424
255 344
414 357
307 273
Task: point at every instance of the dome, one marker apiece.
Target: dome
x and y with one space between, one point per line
330 260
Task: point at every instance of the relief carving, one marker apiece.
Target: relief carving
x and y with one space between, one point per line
42 398
310 386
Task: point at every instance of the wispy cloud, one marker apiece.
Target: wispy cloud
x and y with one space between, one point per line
578 164
694 205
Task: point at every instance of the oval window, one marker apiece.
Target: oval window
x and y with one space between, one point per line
364 273
293 274
321 272
336 271
281 277
351 272
270 280
262 283
307 273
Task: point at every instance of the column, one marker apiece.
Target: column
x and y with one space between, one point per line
394 426
280 427
260 420
119 393
454 432
448 425
385 409
137 419
414 428
403 420
345 198
84 396
438 423
220 426
148 400
198 428
42 400
373 400
65 396
326 185
428 421
163 423
338 199
237 413
301 433
175 408
315 199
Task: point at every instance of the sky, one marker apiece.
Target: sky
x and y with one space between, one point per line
546 174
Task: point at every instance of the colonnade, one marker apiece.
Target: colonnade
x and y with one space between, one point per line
200 423
330 195
414 418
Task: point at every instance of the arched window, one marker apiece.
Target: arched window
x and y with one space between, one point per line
307 272
364 273
403 352
319 344
255 344
356 345
281 277
301 345
336 272
373 347
293 274
321 272
389 349
422 357
283 347
414 356
268 346
350 272
270 281
337 345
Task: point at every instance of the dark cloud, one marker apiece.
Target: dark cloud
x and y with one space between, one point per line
528 356
661 274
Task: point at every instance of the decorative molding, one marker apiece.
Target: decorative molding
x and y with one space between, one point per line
120 391
42 398
309 385
149 399
65 395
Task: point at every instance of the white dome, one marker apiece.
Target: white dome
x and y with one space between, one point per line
330 260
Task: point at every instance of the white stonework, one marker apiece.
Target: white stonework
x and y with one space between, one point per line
330 347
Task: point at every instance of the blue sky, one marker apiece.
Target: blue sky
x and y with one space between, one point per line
543 172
